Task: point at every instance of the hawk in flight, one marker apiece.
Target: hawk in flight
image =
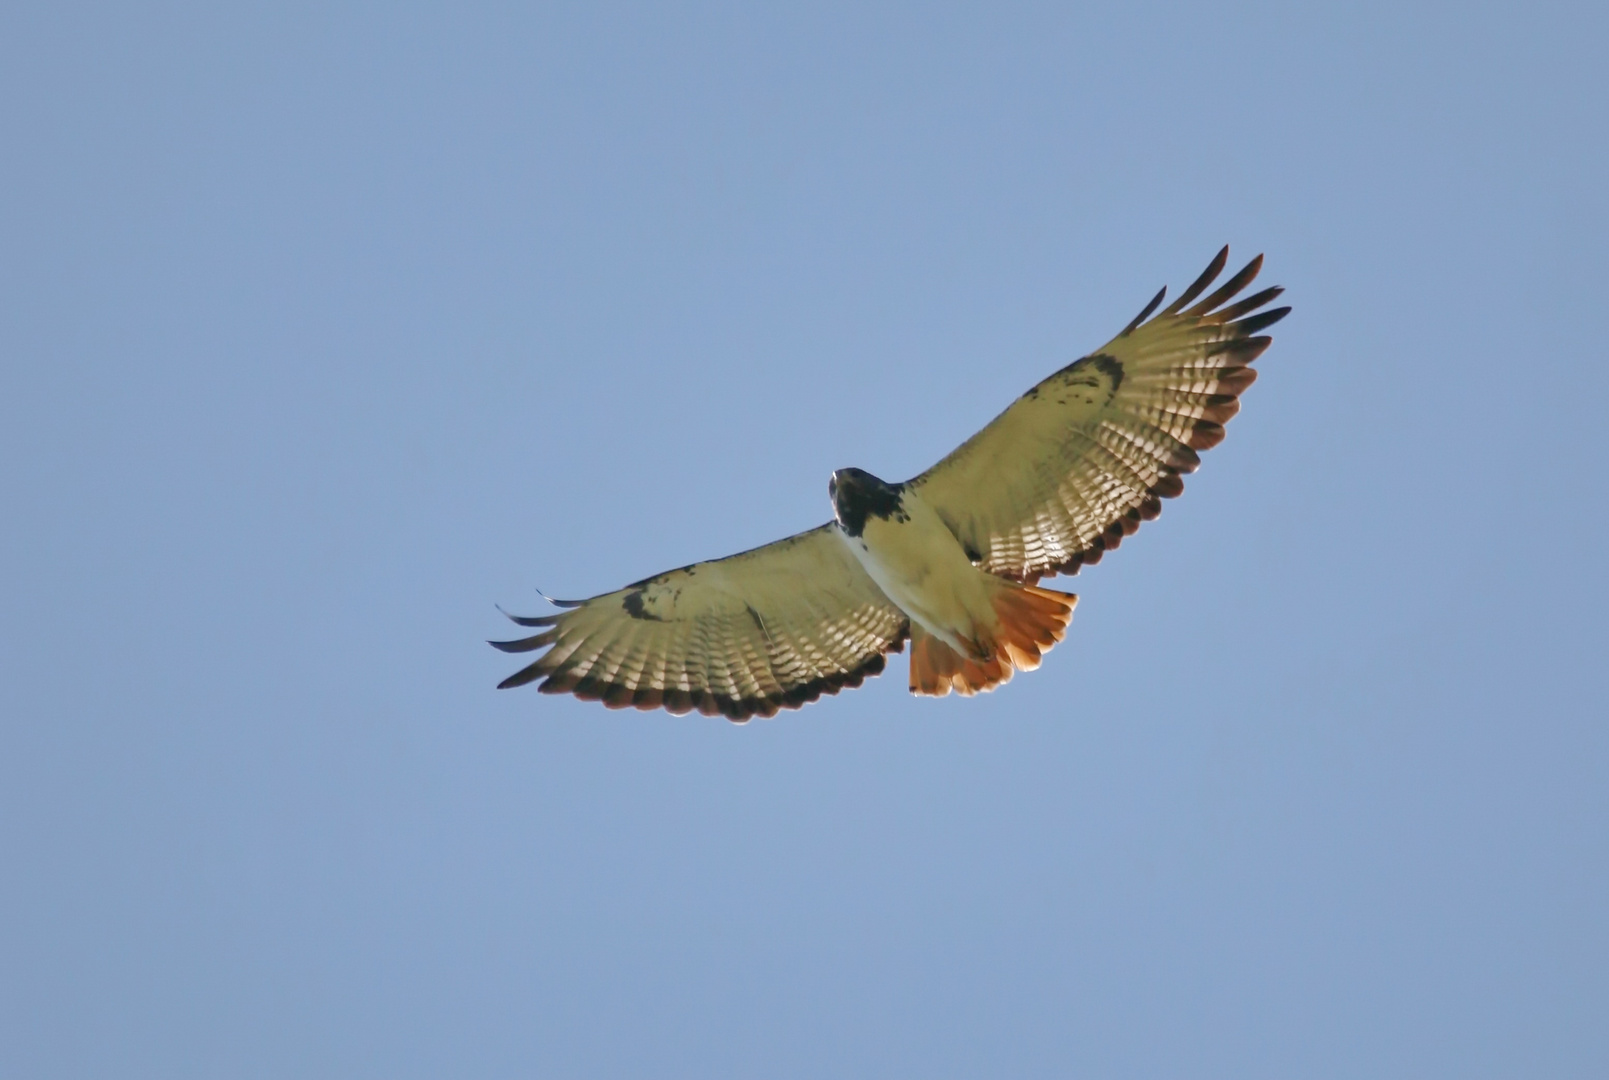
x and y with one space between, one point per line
949 560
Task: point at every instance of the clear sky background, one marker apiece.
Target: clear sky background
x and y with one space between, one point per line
325 328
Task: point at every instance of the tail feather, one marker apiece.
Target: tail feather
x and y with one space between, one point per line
1030 620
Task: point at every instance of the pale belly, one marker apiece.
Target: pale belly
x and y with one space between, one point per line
919 564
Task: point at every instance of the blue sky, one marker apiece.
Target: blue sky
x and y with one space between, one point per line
325 328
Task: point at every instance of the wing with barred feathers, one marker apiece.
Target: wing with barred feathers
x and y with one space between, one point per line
1076 463
768 629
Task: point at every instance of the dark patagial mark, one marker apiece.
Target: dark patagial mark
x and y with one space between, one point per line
690 569
1109 366
632 602
857 495
1100 373
1083 372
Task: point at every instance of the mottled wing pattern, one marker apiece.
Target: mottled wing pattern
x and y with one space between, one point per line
1076 463
769 629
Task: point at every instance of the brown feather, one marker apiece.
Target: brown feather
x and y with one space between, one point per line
1229 288
1200 284
1262 322
1206 435
1250 303
1142 316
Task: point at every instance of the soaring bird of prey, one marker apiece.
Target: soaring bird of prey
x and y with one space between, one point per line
949 560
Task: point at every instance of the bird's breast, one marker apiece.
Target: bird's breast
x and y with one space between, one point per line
918 563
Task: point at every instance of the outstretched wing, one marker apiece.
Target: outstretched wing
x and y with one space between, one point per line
1076 463
768 629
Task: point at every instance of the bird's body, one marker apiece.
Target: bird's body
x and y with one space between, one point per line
917 562
969 629
948 560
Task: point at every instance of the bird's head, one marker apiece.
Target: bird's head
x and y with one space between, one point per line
855 493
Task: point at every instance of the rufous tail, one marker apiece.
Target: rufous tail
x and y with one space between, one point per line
1030 620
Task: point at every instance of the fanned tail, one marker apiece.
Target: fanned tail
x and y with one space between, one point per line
1030 621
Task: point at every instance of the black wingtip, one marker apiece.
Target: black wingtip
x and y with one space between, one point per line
559 603
1245 276
1248 305
1199 285
546 637
529 620
1262 321
522 676
1142 316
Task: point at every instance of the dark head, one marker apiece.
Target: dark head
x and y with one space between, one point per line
856 493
